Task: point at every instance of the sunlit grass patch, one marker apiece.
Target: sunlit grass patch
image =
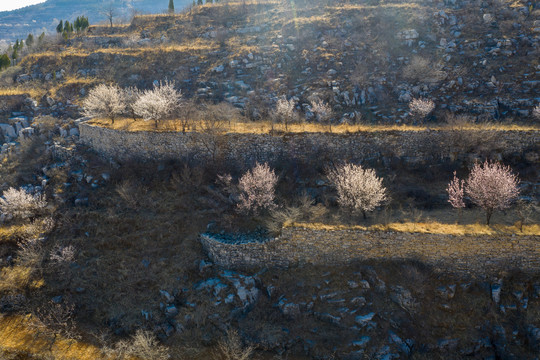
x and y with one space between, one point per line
18 335
431 228
264 127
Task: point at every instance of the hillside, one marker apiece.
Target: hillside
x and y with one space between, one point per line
213 229
44 17
366 59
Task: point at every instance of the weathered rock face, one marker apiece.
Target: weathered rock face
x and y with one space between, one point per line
412 147
478 254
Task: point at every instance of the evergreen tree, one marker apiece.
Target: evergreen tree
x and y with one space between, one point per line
16 46
84 23
30 40
199 2
171 6
14 55
4 61
77 24
209 1
67 27
60 27
41 38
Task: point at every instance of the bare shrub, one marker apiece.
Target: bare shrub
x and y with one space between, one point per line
30 254
131 193
421 69
421 108
257 189
304 209
19 204
322 111
211 128
285 112
231 348
525 211
104 100
358 189
458 122
159 103
59 318
61 258
222 112
187 114
492 186
142 345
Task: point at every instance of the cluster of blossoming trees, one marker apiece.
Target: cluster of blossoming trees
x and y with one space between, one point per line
490 185
159 103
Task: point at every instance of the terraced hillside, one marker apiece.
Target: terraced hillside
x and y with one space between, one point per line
17 24
368 59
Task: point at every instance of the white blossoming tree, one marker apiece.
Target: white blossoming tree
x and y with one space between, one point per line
257 189
285 112
104 101
358 189
19 204
456 193
157 104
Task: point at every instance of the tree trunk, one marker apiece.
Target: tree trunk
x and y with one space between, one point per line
364 214
489 212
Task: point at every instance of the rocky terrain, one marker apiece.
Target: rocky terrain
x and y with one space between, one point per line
368 60
117 249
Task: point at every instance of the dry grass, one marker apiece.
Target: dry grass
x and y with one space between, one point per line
18 278
34 92
264 127
19 335
432 228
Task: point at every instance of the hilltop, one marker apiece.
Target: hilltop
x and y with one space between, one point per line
44 17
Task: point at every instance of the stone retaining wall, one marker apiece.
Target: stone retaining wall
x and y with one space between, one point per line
297 246
410 146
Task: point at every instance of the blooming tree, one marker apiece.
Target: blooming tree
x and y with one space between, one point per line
159 103
257 189
421 107
104 100
285 111
456 192
358 189
492 186
18 203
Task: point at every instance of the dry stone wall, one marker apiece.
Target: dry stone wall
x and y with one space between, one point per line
463 254
410 146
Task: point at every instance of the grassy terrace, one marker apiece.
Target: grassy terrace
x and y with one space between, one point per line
432 228
262 127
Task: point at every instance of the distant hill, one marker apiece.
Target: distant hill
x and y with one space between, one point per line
45 16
